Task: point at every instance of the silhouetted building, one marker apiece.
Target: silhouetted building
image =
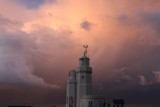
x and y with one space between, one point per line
79 88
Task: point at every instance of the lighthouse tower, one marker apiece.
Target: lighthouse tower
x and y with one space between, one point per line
84 78
79 83
79 87
71 90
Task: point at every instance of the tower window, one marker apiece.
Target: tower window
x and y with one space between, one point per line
82 76
67 100
71 100
104 105
90 103
108 105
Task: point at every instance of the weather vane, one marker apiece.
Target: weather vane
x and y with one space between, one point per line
85 52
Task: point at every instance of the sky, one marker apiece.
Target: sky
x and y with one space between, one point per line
41 41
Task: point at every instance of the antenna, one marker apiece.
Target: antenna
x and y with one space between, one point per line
85 52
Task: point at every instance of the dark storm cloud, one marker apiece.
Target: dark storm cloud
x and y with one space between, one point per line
137 57
135 94
25 56
7 22
86 25
152 19
11 24
32 4
134 74
127 64
14 65
29 61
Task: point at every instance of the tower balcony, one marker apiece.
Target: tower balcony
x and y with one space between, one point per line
84 69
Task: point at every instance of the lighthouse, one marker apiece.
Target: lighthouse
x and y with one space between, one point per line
71 90
79 83
84 78
79 87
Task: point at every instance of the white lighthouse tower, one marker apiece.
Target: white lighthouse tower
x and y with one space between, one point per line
84 78
79 87
71 90
79 83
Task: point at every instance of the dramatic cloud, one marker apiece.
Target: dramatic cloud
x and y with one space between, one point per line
15 48
152 20
86 25
32 4
41 43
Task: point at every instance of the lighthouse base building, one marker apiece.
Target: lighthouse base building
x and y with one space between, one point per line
79 88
